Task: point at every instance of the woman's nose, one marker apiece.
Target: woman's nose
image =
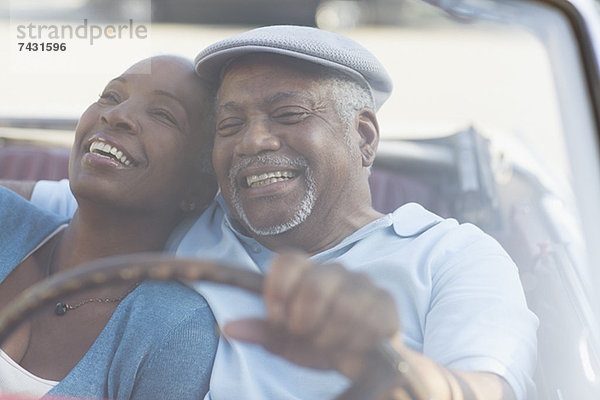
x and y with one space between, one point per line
120 117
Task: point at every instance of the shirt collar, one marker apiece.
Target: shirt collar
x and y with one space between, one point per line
230 219
409 220
412 219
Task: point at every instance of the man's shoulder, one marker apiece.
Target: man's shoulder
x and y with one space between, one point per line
54 196
413 228
443 238
412 219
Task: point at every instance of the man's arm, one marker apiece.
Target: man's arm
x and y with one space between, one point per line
444 383
323 316
22 188
54 196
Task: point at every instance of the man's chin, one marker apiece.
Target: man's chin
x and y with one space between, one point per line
273 217
274 224
269 229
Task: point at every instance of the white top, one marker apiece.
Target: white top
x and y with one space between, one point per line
16 380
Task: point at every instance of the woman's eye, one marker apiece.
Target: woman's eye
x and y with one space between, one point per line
164 115
109 98
229 126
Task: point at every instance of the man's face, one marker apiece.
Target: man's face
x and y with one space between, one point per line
281 154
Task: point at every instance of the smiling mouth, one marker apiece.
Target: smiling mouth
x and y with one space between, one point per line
105 150
253 181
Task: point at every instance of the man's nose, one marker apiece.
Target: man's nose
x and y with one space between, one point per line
120 117
257 138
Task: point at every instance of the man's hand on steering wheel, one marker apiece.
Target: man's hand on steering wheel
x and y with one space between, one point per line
320 315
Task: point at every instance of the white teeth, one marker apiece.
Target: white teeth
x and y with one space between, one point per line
106 150
268 178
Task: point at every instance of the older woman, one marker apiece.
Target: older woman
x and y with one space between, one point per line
135 173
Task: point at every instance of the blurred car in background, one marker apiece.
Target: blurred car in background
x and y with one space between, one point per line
495 120
216 11
240 12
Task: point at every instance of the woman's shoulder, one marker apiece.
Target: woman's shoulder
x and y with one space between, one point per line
163 305
161 334
24 227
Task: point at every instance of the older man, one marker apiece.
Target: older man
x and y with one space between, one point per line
296 133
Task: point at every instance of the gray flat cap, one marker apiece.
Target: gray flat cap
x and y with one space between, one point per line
306 43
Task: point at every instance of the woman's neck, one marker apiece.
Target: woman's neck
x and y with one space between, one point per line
91 235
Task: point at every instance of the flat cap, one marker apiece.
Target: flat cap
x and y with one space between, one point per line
310 44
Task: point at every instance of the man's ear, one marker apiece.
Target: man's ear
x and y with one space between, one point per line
200 192
368 129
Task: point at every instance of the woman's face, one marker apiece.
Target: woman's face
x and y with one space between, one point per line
135 146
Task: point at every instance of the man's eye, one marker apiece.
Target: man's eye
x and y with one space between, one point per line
229 126
109 98
290 116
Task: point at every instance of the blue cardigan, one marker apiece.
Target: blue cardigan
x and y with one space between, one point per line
159 343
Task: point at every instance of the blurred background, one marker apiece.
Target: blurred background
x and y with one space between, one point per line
449 71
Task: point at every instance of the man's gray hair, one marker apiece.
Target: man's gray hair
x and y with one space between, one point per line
349 95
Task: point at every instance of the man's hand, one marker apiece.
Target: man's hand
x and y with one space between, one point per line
323 316
320 316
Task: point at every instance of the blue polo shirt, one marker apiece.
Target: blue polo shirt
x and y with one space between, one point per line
458 295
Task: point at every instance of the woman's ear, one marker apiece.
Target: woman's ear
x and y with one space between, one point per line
201 191
368 129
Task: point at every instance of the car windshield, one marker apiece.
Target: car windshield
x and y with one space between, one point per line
515 76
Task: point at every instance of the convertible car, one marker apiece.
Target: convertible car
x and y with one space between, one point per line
495 120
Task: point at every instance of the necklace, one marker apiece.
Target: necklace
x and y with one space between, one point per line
61 307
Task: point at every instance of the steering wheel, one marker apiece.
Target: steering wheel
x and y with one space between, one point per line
389 366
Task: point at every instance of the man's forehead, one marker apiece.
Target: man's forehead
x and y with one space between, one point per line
277 96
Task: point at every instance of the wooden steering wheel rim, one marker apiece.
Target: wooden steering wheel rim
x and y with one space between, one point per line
135 267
